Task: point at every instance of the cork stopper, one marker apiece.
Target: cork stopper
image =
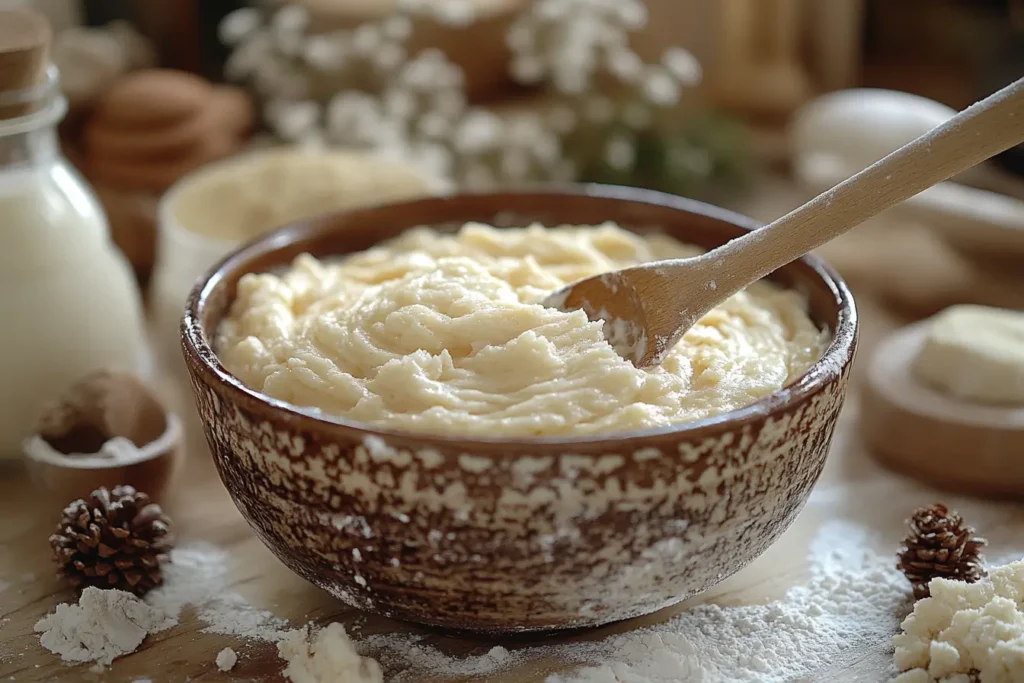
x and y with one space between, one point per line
25 37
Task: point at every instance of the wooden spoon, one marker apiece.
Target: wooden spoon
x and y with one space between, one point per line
647 308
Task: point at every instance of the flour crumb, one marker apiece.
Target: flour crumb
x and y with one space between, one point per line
104 625
226 659
329 657
966 630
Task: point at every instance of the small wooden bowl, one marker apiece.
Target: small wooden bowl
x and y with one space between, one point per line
68 478
512 535
950 443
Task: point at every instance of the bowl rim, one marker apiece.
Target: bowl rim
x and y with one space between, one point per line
198 350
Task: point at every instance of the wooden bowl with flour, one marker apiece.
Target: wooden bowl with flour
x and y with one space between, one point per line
517 534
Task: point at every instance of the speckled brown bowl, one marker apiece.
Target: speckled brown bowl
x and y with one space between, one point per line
505 535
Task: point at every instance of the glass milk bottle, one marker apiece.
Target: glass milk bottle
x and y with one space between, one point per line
68 301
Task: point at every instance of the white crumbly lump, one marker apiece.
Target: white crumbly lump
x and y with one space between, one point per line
104 625
226 659
443 334
966 632
328 658
975 353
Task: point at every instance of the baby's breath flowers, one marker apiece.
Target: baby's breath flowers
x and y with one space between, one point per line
364 87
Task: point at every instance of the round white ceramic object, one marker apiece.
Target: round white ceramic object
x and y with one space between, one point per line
838 134
185 252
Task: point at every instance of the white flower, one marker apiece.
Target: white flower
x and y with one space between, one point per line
562 119
289 44
388 134
433 124
660 88
290 19
632 13
390 56
325 52
625 64
524 130
620 153
399 104
637 116
366 39
520 37
528 70
552 10
479 131
547 149
599 109
515 165
477 176
683 65
239 25
293 120
397 27
458 13
278 79
433 158
449 103
354 116
572 79
428 71
246 59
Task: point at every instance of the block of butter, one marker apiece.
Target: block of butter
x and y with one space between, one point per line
974 353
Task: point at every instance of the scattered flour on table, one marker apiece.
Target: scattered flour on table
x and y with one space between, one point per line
329 656
198 575
226 659
104 625
853 597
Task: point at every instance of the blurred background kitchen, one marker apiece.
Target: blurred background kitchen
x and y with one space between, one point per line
175 106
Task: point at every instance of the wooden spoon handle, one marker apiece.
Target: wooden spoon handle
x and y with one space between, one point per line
979 132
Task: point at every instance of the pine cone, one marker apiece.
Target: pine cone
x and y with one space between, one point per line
940 545
116 539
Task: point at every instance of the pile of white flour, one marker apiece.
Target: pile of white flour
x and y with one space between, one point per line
104 625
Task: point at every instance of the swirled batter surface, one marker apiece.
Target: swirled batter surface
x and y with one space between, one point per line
441 333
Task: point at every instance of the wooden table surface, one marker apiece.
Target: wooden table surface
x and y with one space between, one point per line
852 487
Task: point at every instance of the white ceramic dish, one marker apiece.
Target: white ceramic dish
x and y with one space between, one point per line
838 134
184 255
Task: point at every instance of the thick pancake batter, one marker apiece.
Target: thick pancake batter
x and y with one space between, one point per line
441 333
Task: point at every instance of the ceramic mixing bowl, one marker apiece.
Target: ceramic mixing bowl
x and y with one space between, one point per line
504 535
